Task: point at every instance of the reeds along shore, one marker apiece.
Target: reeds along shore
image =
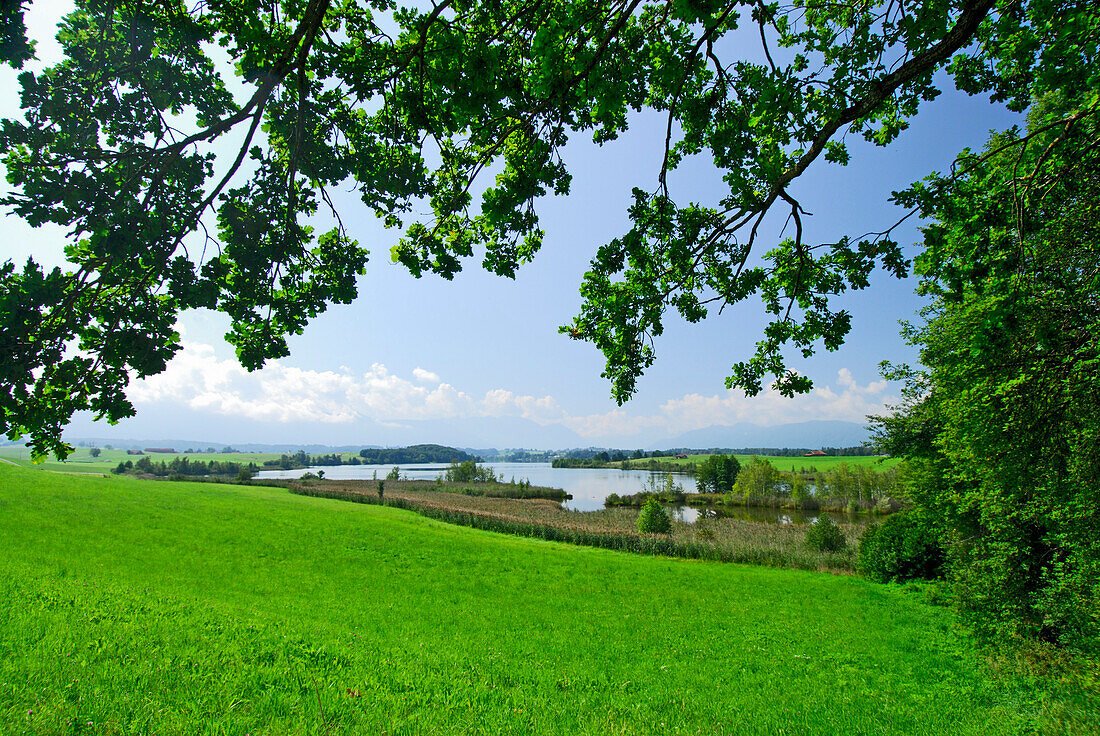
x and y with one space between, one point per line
724 540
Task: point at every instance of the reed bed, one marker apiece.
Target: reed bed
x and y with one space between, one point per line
724 540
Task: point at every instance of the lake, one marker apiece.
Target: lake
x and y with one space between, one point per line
588 486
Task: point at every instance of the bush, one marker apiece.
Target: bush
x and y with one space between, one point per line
907 546
825 536
653 519
469 471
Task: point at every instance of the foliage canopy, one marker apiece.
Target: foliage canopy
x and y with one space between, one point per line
410 107
717 473
1002 423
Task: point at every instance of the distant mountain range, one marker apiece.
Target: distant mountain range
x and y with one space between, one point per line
471 434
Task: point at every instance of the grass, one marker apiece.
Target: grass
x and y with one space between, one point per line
727 540
788 464
81 461
133 607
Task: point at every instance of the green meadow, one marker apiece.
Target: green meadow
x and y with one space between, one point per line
81 460
789 464
139 607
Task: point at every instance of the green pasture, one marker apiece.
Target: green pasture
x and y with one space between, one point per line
135 607
81 461
791 464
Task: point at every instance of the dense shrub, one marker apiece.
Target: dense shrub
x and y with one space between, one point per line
653 519
469 471
907 546
825 536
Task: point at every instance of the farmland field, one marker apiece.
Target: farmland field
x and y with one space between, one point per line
787 464
176 608
81 461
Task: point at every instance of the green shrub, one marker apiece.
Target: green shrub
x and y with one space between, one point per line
653 519
907 546
825 536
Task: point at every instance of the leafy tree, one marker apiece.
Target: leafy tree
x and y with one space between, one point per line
759 479
653 518
907 546
94 451
408 108
469 471
717 473
825 536
1002 426
800 492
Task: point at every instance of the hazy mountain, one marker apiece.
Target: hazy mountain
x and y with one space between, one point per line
148 430
154 424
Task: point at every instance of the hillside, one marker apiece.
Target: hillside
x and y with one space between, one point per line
177 608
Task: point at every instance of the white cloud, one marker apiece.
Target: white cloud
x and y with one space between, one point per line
282 393
426 376
848 402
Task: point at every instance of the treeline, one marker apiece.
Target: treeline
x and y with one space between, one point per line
723 481
845 487
583 462
516 456
185 466
652 464
659 466
860 451
302 459
607 456
415 454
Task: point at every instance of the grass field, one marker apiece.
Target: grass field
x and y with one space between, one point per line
736 540
81 461
133 607
789 464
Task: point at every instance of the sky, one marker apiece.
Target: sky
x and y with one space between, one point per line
478 361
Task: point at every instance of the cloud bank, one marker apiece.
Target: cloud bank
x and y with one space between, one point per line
283 393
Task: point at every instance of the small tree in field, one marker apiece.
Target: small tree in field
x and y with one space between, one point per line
825 536
653 519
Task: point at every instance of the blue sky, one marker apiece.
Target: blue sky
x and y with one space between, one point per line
416 357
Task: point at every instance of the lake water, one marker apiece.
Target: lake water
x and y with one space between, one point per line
588 486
